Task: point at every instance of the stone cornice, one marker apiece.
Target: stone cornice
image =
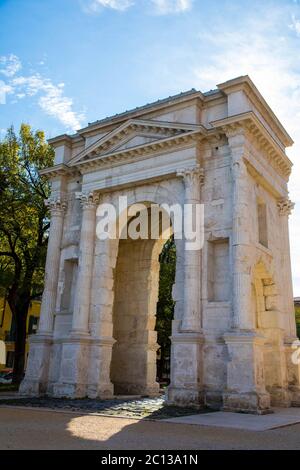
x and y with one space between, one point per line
146 109
59 170
158 146
245 83
106 152
63 139
250 123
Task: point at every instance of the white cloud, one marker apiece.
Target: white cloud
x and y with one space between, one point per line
51 98
95 5
161 7
4 90
270 62
295 25
10 65
164 7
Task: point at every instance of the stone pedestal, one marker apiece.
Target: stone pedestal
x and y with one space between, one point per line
36 378
186 370
74 368
99 383
245 390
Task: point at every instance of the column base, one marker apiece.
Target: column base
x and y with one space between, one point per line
294 393
69 390
103 392
125 388
245 391
73 378
99 381
185 397
186 370
280 397
214 399
254 403
35 381
32 388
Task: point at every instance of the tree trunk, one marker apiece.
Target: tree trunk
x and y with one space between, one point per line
20 346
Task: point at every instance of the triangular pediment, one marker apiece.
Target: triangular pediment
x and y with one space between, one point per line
134 140
134 134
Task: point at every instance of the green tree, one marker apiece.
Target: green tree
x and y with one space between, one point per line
24 226
165 304
297 313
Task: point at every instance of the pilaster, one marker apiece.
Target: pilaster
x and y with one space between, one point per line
89 202
191 321
36 378
186 387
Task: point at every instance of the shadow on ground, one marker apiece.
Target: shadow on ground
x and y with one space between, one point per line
24 428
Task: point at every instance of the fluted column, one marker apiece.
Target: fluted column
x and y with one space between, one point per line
241 288
245 389
191 321
57 208
89 202
285 207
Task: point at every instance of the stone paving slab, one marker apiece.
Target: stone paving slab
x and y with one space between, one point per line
280 418
131 407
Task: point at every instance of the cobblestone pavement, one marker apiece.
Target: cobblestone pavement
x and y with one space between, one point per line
151 408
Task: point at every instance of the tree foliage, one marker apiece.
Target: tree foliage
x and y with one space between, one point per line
297 312
165 304
24 226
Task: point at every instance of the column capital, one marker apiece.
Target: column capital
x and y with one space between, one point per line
192 175
89 200
285 206
57 204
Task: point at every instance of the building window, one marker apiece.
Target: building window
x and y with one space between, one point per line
262 223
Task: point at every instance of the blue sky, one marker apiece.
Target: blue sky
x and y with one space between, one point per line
64 63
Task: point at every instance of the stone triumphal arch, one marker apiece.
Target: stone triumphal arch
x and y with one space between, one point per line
234 327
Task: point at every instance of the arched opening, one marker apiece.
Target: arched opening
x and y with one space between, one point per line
165 311
141 288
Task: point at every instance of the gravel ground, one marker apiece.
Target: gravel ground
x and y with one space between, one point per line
154 408
40 429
